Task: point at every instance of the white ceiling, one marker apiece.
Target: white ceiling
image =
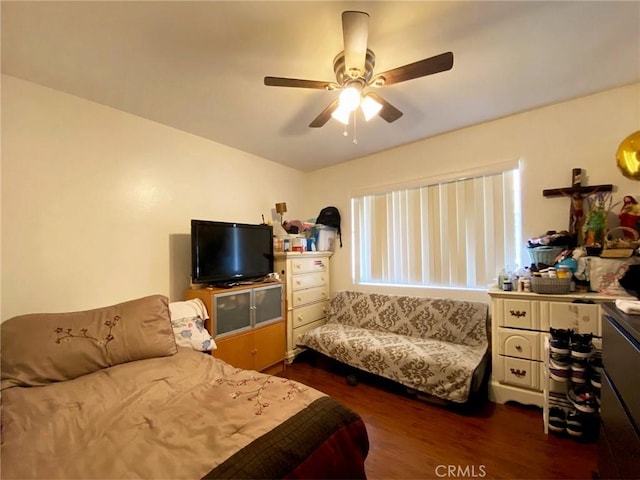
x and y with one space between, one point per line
199 66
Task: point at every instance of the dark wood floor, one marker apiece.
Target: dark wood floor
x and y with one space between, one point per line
412 439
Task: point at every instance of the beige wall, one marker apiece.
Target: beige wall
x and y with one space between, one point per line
96 203
548 142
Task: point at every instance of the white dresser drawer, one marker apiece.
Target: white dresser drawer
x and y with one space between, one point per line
310 313
580 317
308 265
310 295
522 373
519 314
308 280
519 343
297 332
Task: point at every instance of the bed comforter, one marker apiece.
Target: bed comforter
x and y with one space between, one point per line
187 415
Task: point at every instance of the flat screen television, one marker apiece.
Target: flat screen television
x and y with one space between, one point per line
228 253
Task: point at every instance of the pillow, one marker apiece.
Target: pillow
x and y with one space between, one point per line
605 274
187 320
42 348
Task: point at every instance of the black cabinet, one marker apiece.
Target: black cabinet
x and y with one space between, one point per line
619 449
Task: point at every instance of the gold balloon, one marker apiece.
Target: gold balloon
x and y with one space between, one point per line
628 156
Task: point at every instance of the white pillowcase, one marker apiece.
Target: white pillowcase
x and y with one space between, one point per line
187 320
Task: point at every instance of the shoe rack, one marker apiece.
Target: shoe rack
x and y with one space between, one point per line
555 392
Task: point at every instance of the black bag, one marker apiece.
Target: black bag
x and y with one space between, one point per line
330 217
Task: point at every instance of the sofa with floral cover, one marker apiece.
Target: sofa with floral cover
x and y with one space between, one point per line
438 347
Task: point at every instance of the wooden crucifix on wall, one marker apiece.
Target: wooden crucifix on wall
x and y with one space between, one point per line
577 193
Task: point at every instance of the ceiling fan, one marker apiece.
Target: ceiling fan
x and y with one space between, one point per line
353 68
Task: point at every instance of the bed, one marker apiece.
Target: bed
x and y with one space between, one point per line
108 393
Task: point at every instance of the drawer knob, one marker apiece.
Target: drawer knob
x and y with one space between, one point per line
300 317
519 348
518 373
517 313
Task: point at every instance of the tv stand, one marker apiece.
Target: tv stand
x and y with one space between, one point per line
247 323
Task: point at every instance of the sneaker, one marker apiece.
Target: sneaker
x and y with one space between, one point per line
579 371
560 358
581 345
557 420
558 371
583 399
576 423
559 342
595 363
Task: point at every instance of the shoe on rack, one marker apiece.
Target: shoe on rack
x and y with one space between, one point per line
557 420
560 358
582 427
558 371
576 423
583 399
559 341
579 371
595 363
582 345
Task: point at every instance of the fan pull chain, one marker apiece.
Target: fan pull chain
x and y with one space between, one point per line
355 133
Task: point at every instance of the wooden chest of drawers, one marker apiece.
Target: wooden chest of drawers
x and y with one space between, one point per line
619 442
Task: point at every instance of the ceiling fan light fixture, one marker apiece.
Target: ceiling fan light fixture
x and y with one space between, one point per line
353 68
370 107
342 114
350 98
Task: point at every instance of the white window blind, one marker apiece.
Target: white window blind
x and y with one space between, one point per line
453 234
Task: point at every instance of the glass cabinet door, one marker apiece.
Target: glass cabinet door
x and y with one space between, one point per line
267 304
232 312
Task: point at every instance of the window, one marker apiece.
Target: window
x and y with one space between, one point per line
454 233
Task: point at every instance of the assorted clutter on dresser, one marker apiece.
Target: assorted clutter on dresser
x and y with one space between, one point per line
589 257
316 234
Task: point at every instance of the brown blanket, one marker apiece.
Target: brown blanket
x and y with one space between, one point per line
183 416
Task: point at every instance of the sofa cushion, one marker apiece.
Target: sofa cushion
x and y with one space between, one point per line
431 366
449 320
38 349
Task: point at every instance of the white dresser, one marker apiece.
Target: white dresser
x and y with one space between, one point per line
520 322
306 277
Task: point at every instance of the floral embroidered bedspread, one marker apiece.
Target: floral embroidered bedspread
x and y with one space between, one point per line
168 417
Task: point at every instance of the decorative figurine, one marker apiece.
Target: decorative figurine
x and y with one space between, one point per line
630 215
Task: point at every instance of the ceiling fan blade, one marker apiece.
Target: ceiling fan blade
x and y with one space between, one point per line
325 115
294 82
388 112
421 68
355 33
